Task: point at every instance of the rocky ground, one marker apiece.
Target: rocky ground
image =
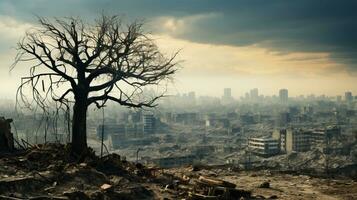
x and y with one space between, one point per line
275 185
48 172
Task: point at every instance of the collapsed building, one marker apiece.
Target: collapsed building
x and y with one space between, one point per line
299 140
264 146
137 132
292 140
117 141
172 160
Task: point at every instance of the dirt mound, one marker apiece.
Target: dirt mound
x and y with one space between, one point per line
48 172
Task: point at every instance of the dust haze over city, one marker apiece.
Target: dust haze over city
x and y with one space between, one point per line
190 99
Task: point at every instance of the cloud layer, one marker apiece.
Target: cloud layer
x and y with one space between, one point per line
242 38
279 25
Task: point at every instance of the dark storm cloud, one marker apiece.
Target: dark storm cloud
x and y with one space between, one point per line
280 25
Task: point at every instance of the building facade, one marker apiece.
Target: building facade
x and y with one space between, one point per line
297 141
264 146
149 123
348 97
283 95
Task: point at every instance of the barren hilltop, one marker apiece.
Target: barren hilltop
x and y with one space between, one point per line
48 172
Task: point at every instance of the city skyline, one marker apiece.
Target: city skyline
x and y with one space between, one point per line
241 94
277 94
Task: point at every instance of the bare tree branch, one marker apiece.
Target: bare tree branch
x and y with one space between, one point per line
72 61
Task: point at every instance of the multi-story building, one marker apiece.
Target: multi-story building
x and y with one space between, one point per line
247 118
149 124
264 146
110 129
317 136
324 135
333 131
227 96
293 140
280 135
134 117
227 93
348 97
117 141
254 94
283 95
297 141
186 118
218 122
283 119
133 130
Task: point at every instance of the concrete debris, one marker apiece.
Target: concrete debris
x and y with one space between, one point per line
44 172
215 182
106 187
312 162
76 195
213 188
49 170
265 184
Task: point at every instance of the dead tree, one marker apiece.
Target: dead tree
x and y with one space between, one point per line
84 64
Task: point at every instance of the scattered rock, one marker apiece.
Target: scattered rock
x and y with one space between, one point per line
76 195
216 182
265 184
106 187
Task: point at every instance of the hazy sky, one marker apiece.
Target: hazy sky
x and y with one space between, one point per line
307 46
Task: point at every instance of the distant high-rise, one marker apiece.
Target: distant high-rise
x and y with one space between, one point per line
348 96
283 95
227 93
192 95
227 96
254 94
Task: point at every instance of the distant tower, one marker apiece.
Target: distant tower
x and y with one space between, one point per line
348 97
283 95
149 124
227 93
227 96
254 94
191 97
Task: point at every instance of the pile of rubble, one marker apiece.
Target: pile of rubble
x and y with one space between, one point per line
49 172
314 161
211 188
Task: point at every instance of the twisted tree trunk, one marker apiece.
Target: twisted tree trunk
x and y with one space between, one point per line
79 124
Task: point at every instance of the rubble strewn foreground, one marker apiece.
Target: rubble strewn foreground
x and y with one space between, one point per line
48 172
